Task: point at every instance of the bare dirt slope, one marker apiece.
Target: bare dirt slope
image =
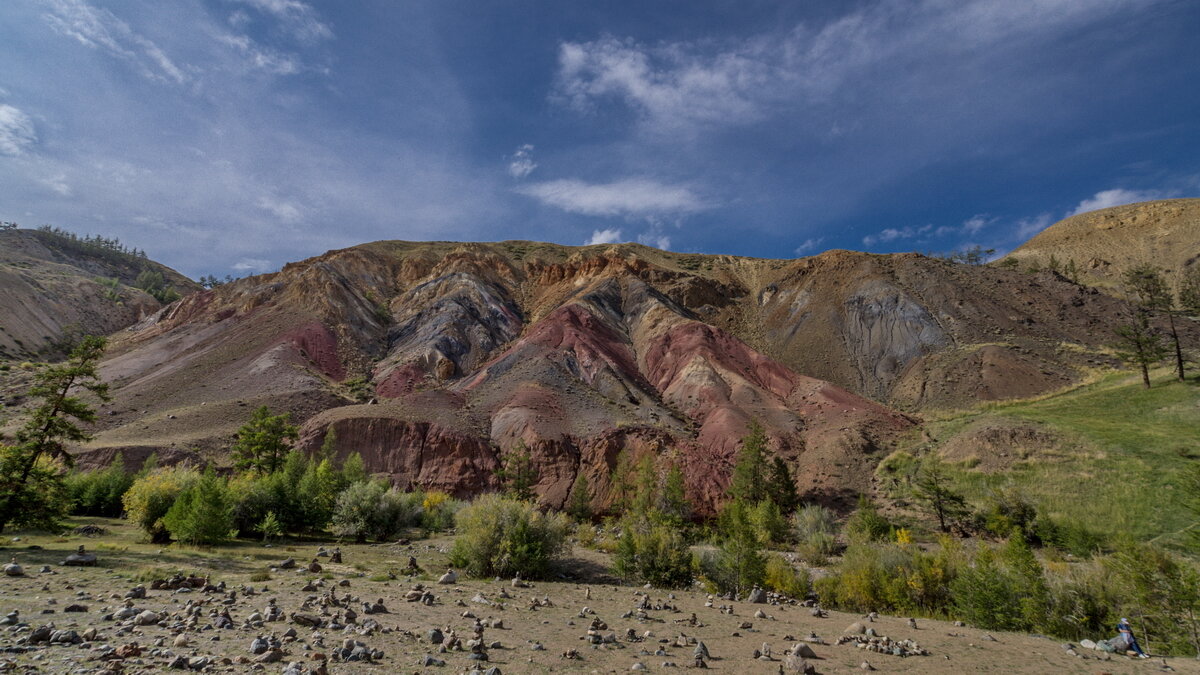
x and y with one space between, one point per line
48 292
1104 243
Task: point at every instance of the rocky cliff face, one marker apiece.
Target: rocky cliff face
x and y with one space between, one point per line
468 351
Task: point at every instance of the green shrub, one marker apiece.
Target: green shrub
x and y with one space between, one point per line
371 510
1009 512
301 492
152 494
868 524
781 577
738 565
815 531
438 510
1069 535
769 524
500 536
99 493
202 514
1083 601
892 577
655 554
270 527
988 595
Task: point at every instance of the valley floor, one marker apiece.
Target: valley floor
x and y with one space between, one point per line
125 562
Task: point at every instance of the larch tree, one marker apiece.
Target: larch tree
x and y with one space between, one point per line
264 441
31 485
1147 285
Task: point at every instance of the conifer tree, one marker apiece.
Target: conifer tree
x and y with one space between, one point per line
1139 345
580 505
264 441
1148 287
931 487
749 474
518 475
31 489
781 488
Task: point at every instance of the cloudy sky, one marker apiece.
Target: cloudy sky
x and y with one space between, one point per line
231 136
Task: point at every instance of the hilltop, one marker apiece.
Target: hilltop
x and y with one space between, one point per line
54 286
1103 244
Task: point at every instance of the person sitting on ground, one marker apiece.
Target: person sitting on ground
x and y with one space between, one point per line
1127 632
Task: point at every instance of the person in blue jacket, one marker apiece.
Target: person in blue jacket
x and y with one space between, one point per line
1127 631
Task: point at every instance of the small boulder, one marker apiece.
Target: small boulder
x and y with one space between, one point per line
80 558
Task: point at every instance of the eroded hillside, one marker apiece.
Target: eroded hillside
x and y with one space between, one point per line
433 359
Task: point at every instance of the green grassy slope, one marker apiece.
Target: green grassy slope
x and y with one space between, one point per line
1120 461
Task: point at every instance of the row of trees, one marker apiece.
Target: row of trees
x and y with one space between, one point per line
107 248
1140 343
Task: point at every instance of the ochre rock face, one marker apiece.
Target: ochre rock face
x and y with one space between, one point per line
436 360
422 454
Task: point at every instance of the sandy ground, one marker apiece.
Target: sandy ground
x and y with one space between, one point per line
557 628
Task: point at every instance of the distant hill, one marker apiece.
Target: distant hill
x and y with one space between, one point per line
433 359
54 286
1102 244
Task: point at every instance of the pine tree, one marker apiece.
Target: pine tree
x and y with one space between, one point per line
1189 290
1148 287
644 501
781 488
518 475
931 487
31 489
202 514
740 554
1024 565
749 474
1139 345
675 507
580 505
263 442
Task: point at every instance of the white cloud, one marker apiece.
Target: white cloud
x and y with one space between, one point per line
975 224
628 197
100 29
297 17
1115 197
256 265
260 57
808 245
1027 227
667 84
521 162
892 234
655 239
58 183
17 133
677 85
604 237
283 210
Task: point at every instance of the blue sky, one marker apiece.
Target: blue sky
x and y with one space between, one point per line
231 136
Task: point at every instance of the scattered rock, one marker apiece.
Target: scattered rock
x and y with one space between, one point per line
80 558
